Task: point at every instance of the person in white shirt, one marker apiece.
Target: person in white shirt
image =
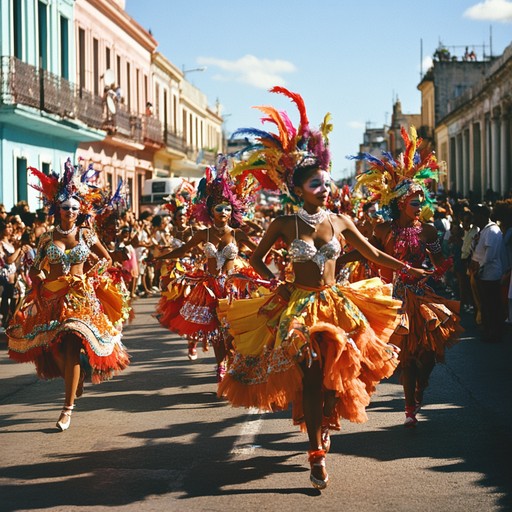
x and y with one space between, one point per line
487 266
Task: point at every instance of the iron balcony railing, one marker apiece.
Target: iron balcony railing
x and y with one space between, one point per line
24 84
175 141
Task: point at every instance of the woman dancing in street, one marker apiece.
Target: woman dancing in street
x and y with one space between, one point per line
62 320
428 323
219 205
314 343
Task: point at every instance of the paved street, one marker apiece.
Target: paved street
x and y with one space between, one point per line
157 438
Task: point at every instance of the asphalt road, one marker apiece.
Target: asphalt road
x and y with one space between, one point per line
157 438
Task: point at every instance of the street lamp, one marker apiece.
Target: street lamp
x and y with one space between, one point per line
186 71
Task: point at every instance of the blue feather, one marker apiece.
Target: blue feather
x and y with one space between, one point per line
255 132
389 158
368 157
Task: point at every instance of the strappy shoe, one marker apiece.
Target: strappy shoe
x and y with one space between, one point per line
316 458
66 411
410 416
192 351
220 370
326 438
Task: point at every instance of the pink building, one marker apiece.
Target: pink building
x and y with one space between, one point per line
113 62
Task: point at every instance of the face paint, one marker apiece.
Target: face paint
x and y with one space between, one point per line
220 208
318 182
70 204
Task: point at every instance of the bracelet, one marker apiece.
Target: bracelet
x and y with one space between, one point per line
274 282
405 269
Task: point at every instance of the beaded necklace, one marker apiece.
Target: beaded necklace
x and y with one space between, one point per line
407 243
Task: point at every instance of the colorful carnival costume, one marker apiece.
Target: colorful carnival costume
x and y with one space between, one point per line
189 305
323 348
346 327
69 304
428 323
69 323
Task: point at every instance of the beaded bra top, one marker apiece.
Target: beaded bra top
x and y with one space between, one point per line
228 252
302 251
67 257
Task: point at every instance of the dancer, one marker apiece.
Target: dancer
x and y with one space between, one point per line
219 204
314 343
429 323
61 319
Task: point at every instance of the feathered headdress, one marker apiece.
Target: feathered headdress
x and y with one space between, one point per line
392 180
181 198
274 157
108 206
218 186
74 182
340 200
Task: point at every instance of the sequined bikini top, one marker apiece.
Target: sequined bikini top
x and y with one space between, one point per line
67 257
302 251
228 252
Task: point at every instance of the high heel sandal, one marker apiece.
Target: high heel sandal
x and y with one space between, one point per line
316 458
410 416
66 411
220 370
192 351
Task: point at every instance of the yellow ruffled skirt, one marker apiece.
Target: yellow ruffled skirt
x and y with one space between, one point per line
88 306
345 327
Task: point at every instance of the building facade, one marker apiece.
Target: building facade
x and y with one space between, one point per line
82 79
192 131
466 110
113 69
42 116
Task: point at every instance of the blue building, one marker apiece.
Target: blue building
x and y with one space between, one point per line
43 115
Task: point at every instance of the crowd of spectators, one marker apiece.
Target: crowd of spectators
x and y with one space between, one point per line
477 236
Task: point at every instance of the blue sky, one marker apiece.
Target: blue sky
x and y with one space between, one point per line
351 58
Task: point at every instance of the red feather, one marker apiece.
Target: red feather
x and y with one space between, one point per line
49 184
299 101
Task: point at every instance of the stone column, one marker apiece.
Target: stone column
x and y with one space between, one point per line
495 153
504 153
465 162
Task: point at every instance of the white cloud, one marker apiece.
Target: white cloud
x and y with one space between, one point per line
356 125
491 10
260 73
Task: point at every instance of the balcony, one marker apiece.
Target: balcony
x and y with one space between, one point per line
175 141
24 84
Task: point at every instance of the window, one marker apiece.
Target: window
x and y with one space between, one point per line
95 66
137 84
21 181
157 101
174 114
128 86
107 58
81 58
45 168
118 70
42 11
17 29
64 48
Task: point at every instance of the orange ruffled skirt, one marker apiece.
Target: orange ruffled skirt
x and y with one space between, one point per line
347 327
427 323
85 306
